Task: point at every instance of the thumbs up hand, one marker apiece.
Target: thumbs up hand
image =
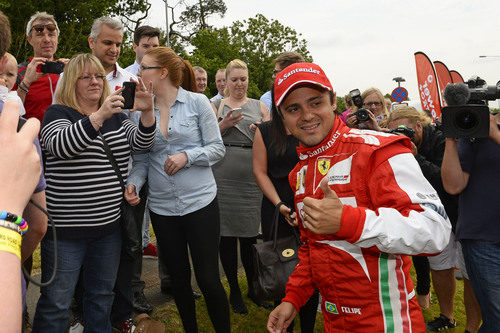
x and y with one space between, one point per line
322 216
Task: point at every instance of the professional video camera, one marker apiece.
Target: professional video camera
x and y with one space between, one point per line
362 113
467 114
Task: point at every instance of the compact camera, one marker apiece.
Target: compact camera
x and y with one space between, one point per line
52 67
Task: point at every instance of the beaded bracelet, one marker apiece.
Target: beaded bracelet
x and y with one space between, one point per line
18 220
94 121
11 226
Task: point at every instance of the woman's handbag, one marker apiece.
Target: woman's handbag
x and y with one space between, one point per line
131 227
274 262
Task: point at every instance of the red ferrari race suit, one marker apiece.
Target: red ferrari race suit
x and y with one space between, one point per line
390 211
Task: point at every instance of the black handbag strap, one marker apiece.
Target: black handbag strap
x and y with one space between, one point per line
112 160
275 224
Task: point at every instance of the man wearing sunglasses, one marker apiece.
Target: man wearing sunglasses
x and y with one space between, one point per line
36 89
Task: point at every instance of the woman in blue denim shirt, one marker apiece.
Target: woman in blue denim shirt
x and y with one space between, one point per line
182 190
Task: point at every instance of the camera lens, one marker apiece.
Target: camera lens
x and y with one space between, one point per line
466 120
362 115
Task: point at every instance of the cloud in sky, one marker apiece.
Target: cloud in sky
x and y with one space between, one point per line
364 43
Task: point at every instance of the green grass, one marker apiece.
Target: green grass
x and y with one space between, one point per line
256 319
459 312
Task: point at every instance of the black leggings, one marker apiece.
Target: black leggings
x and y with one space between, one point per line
229 260
200 230
422 271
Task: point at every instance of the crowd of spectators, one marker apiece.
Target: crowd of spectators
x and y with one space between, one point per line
208 174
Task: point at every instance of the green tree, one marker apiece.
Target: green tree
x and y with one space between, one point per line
260 40
194 18
340 104
74 18
213 49
257 41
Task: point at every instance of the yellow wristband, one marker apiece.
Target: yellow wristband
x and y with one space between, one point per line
10 241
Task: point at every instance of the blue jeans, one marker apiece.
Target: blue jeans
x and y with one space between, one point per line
98 259
482 260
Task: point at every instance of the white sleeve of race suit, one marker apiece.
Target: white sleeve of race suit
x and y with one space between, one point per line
418 225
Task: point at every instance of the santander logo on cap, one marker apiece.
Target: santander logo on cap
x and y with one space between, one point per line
299 73
297 70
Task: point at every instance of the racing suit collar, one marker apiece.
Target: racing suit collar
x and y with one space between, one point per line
337 130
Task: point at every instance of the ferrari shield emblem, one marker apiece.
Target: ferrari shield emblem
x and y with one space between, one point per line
323 165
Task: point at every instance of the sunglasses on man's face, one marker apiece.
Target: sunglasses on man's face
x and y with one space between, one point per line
39 28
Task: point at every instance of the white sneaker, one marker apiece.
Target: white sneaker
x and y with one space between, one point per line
76 327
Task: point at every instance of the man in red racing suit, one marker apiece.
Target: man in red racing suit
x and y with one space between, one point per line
389 211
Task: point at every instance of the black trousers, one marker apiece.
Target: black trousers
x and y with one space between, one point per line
122 304
137 283
200 230
229 260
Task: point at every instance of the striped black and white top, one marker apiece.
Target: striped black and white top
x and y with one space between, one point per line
83 191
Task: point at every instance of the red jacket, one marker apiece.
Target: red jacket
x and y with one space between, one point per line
390 211
40 94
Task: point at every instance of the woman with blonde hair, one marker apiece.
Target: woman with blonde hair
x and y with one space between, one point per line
239 196
83 191
182 194
374 101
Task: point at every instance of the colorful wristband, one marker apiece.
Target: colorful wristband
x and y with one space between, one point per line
10 241
17 220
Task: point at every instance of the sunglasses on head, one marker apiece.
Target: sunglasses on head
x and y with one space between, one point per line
39 28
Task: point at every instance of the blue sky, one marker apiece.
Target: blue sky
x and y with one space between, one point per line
367 43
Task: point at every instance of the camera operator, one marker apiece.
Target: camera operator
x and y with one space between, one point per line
470 169
428 148
371 100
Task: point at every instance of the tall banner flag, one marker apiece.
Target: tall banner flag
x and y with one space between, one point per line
427 85
456 77
444 77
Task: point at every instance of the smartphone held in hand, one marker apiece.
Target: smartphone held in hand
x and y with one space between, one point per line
236 112
128 94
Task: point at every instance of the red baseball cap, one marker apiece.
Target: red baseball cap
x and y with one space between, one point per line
299 73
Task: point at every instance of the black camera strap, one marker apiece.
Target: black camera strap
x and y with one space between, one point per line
112 160
54 235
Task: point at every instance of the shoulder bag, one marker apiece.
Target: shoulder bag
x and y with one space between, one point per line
131 228
274 262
